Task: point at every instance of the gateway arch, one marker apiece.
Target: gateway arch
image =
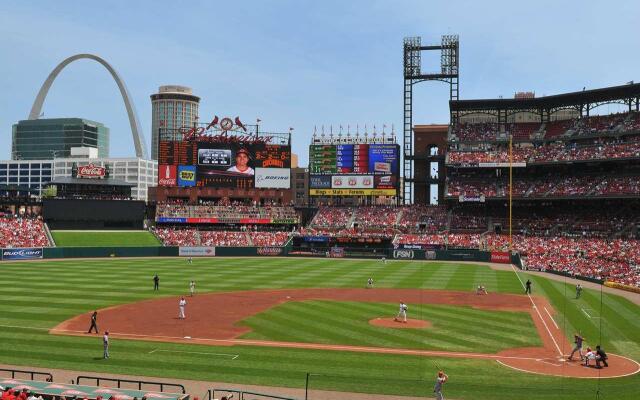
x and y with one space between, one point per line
136 131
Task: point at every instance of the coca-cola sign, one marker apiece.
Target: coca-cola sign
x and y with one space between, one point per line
91 171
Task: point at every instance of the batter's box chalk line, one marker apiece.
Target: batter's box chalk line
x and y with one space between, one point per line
231 356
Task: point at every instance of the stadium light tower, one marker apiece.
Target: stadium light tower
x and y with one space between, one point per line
449 63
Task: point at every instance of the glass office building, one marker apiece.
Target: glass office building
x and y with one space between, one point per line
49 138
28 177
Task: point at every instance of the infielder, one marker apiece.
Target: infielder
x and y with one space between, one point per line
105 344
192 287
181 304
440 381
370 283
402 313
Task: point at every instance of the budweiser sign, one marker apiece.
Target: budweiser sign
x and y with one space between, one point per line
91 171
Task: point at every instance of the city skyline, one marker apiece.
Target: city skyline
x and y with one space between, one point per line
257 60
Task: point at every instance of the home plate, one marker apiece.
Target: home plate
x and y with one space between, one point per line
187 337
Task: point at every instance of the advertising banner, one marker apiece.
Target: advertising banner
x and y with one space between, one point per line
403 254
385 182
352 192
186 175
27 253
273 178
320 182
91 171
502 257
167 175
352 182
197 251
269 251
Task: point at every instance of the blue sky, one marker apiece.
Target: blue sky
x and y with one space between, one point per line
301 63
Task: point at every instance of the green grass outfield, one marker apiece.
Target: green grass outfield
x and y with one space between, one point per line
104 238
39 295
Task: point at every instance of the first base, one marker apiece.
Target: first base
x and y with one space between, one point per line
187 337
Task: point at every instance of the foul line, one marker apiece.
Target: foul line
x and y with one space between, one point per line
552 320
233 356
586 313
538 311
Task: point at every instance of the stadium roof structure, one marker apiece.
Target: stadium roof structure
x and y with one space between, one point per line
90 182
581 101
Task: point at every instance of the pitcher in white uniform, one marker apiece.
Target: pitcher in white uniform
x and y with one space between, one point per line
402 313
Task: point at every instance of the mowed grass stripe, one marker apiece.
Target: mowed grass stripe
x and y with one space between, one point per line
348 321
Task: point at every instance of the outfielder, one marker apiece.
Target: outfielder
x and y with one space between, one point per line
192 287
370 283
181 306
402 313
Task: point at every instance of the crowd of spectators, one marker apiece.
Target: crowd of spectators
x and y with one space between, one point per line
553 152
193 237
332 217
617 260
592 125
551 185
231 211
376 217
20 231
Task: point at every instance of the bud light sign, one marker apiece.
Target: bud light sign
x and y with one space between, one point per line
21 254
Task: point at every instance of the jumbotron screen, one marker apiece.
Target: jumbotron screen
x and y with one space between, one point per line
242 165
354 169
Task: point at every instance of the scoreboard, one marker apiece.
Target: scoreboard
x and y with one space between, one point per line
354 169
376 159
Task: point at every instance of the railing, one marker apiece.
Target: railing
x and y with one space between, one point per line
32 374
242 395
119 382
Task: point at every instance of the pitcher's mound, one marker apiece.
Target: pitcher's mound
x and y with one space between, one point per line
388 322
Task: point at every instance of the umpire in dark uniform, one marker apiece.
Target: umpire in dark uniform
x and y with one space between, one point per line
156 282
94 322
527 285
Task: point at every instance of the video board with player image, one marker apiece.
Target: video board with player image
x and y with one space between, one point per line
237 164
354 169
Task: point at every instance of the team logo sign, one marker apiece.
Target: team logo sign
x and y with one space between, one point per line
405 254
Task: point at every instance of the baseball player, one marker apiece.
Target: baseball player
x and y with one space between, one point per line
105 344
578 290
402 313
192 287
440 381
370 283
156 282
94 322
384 259
190 260
181 304
577 339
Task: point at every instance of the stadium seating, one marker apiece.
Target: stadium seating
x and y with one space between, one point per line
617 260
234 211
22 232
